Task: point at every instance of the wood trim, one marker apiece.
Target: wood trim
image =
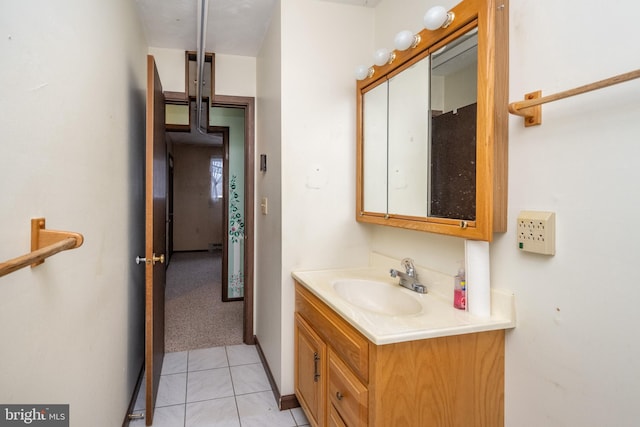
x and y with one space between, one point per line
248 103
224 130
208 57
501 130
285 402
289 401
178 98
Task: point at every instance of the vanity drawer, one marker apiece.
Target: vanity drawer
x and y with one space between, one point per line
349 344
334 418
347 394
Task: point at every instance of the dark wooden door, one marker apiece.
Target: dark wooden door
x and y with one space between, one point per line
155 235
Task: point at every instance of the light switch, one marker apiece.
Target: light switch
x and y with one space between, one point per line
264 206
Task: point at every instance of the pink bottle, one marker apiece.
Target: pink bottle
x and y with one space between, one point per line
460 291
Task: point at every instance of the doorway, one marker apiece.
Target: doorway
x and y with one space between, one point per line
244 239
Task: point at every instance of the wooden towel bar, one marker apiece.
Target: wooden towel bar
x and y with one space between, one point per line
531 108
44 243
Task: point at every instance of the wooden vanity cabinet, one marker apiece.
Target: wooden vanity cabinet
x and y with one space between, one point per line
453 381
309 375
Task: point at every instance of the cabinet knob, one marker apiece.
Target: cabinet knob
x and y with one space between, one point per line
339 395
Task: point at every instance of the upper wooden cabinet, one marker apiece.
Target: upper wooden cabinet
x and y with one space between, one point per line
432 130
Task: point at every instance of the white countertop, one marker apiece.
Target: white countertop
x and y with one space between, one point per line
437 318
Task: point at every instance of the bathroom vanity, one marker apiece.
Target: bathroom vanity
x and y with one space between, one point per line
431 155
436 366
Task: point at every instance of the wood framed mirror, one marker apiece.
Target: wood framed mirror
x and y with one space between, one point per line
432 129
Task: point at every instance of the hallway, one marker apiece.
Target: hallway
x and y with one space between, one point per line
195 316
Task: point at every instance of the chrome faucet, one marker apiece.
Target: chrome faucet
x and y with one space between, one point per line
409 279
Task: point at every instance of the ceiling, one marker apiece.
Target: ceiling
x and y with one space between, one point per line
234 27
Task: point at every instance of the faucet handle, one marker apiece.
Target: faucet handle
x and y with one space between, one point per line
407 263
393 272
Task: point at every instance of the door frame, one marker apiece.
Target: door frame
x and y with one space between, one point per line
248 105
224 132
169 208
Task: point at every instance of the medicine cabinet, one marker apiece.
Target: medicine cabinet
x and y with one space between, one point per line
432 129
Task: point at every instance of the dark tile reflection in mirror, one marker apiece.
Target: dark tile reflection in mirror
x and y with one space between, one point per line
453 164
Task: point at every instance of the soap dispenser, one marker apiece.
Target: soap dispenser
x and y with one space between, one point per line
460 290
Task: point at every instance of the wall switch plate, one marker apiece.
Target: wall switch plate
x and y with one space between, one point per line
537 232
264 206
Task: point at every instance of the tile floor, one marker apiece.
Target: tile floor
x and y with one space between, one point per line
217 387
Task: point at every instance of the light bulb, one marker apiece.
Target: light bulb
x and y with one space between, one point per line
362 72
381 56
437 17
404 40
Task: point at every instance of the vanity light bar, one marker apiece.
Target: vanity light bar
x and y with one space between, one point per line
437 17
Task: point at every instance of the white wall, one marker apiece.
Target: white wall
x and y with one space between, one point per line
573 359
235 75
577 312
170 63
268 237
322 43
72 113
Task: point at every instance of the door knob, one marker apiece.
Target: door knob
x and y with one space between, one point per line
151 261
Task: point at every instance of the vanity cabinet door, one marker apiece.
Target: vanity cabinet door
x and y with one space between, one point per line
310 368
347 394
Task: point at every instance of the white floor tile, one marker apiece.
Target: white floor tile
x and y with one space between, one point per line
242 354
207 358
171 390
260 410
169 416
300 417
216 387
175 363
213 413
249 379
210 384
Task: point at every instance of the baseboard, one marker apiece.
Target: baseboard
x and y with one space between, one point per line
284 402
132 402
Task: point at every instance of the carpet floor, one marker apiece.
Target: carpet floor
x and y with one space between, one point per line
195 316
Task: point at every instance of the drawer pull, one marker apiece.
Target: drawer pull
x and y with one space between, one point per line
316 373
339 395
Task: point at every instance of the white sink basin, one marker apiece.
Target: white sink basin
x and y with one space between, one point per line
378 297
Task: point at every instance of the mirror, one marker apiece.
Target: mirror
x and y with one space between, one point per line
454 95
420 118
408 145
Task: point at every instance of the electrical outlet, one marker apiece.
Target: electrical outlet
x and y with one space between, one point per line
537 232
